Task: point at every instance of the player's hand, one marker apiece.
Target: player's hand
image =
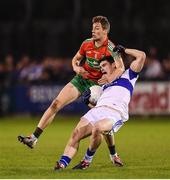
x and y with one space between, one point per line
119 49
102 80
81 71
85 96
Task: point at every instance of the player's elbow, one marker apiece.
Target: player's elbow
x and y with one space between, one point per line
142 59
142 56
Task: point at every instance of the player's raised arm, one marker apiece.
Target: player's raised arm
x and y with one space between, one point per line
139 61
119 65
120 68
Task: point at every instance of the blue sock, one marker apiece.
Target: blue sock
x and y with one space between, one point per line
89 155
65 160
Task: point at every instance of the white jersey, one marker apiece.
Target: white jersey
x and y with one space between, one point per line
117 94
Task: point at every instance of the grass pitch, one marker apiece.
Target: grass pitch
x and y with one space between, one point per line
143 145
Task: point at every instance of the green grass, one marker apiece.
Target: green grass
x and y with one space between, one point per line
143 144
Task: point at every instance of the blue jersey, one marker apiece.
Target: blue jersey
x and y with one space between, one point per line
117 94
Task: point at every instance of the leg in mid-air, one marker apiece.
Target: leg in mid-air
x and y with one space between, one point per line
82 130
67 95
100 128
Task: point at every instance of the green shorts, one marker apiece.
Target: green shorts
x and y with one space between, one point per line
82 84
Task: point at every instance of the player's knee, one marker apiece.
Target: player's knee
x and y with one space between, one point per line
76 135
96 130
56 105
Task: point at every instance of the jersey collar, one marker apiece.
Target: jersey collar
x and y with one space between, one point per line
105 43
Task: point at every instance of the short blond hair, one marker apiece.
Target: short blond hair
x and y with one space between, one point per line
104 22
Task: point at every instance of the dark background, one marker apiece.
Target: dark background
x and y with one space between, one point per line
57 27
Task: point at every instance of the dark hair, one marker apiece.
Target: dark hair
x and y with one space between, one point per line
107 58
104 22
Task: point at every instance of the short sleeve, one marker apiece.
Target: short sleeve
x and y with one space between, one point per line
132 74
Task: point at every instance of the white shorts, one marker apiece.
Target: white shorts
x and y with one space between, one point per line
99 113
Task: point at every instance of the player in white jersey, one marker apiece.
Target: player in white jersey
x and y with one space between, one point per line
111 110
118 97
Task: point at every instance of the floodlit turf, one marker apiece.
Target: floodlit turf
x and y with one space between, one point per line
143 144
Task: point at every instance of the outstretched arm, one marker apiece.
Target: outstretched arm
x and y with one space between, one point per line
139 61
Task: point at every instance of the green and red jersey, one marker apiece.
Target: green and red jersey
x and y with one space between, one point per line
93 54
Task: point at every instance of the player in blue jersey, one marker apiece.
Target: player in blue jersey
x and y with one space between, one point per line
111 110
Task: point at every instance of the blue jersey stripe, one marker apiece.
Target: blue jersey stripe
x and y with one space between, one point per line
123 82
118 123
132 74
